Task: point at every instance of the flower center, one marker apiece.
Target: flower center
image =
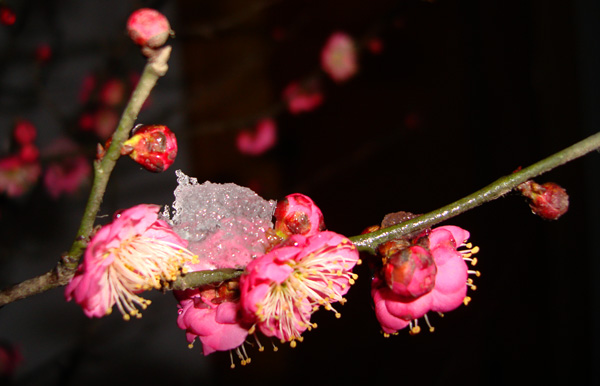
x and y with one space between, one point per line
140 264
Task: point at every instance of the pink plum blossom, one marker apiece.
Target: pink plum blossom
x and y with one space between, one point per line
298 214
339 57
281 289
69 172
17 176
301 98
212 318
263 139
134 253
394 311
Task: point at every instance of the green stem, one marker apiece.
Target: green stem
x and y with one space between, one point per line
369 241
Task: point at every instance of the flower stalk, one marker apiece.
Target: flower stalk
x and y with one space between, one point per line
368 242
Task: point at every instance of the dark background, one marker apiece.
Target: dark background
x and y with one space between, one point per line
464 92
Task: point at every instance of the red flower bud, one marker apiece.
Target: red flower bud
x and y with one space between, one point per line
153 146
148 28
410 273
297 214
549 200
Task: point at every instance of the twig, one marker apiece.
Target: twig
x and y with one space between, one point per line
65 269
369 241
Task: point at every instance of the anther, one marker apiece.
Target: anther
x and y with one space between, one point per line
466 300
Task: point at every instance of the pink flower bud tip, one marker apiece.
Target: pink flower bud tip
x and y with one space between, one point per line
24 132
548 200
148 28
152 146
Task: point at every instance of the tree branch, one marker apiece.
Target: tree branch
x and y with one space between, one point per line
65 269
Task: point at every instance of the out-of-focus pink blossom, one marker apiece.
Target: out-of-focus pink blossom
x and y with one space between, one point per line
134 253
24 132
211 317
29 153
264 138
152 146
68 171
43 53
105 122
298 214
87 87
375 46
7 15
339 57
17 176
395 311
281 289
112 92
302 98
10 358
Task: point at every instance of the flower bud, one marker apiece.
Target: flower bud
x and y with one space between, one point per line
548 200
410 273
148 28
152 146
297 214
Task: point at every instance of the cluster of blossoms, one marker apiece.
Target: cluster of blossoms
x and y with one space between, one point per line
20 170
65 168
292 267
421 273
303 267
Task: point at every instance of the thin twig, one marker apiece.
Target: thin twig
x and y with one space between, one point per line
369 241
65 269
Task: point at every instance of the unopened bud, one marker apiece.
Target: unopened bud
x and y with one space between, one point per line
148 28
24 132
548 200
297 214
152 146
410 272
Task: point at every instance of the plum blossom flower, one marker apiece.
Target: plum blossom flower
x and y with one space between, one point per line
17 176
301 98
134 253
257 143
69 173
339 57
395 311
281 289
211 314
298 214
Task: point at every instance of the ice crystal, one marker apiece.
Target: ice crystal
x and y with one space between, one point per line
225 224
